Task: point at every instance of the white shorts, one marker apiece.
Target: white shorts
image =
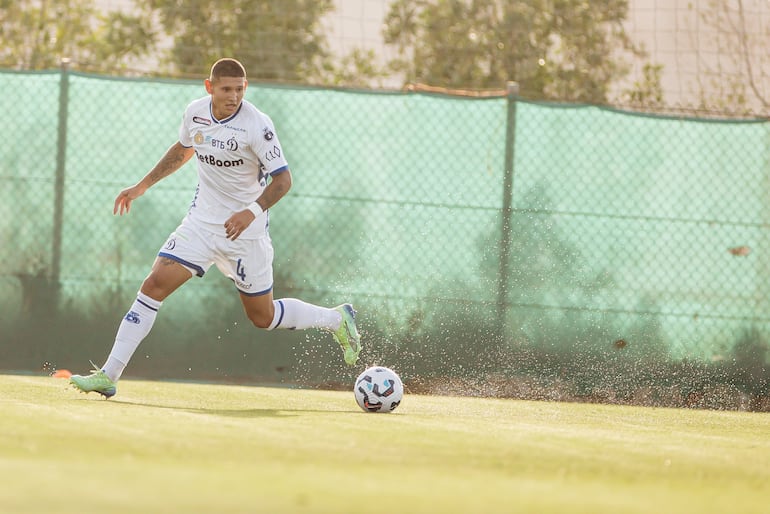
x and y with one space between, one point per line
247 262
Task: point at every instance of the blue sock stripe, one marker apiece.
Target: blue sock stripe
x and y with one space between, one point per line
280 318
147 305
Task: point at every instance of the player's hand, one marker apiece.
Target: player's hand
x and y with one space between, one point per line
124 199
237 223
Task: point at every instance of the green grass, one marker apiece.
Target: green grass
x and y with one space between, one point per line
165 447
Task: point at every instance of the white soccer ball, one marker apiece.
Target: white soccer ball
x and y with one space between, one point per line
378 389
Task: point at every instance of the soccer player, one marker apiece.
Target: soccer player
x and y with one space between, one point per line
242 172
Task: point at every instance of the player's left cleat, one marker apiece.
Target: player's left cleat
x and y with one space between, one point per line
347 335
97 381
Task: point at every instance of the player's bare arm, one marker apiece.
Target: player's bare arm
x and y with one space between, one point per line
171 161
277 188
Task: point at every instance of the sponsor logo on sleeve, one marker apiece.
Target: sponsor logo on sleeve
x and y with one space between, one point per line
273 154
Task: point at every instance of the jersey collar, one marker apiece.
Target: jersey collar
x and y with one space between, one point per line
233 115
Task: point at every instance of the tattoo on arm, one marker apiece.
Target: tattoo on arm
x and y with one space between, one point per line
171 161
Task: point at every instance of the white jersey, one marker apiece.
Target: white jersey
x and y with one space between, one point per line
235 156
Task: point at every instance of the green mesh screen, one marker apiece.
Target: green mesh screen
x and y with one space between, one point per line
632 237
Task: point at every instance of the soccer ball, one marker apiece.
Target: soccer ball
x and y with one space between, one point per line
378 389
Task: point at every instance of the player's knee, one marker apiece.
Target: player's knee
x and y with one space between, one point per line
153 287
260 319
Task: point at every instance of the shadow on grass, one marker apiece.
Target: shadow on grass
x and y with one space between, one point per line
238 413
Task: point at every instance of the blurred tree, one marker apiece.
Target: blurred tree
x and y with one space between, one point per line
276 40
567 50
646 92
738 85
357 69
38 34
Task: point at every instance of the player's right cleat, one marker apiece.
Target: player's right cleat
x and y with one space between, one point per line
97 381
347 335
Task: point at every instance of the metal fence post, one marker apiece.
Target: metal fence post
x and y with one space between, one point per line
505 236
61 155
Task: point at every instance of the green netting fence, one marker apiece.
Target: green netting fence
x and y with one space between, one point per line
478 237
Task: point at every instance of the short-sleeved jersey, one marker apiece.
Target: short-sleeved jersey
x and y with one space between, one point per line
235 157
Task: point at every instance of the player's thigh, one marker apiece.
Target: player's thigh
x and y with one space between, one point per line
259 309
186 253
249 264
165 277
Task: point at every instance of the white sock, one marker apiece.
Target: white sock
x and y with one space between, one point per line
134 327
291 314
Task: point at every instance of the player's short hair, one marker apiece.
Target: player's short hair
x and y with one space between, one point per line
227 67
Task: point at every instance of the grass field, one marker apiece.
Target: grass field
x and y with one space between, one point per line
166 447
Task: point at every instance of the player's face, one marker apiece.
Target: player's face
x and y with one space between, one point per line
226 95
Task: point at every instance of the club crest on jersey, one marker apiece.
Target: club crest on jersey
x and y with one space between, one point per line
268 134
202 121
198 138
232 144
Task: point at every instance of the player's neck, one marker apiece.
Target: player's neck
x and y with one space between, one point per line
219 115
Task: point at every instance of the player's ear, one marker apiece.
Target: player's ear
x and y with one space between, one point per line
209 88
245 83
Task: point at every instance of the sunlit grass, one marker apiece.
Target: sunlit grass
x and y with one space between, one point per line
184 447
